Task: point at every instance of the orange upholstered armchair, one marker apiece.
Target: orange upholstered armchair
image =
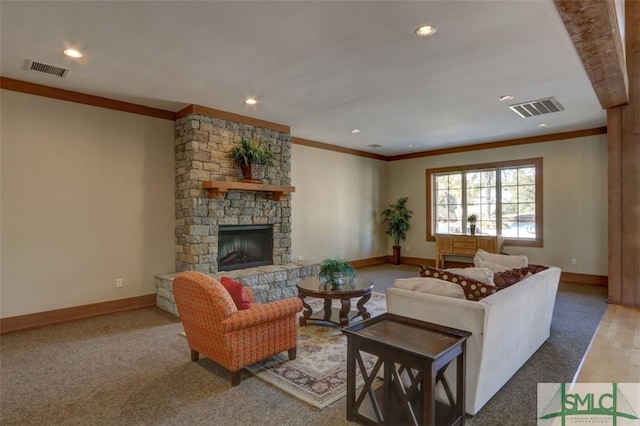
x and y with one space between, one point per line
230 337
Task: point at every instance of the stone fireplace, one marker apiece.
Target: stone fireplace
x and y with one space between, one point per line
202 144
206 209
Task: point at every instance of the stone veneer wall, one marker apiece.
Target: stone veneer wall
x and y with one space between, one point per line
201 148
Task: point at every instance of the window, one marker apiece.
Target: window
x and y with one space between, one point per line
506 197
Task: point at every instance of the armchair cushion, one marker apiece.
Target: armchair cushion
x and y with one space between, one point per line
237 292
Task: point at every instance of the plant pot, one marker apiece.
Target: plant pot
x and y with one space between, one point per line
396 255
473 229
252 173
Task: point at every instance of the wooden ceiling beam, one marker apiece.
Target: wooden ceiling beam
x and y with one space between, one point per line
593 28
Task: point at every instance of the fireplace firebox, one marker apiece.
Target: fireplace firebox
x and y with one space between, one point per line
244 246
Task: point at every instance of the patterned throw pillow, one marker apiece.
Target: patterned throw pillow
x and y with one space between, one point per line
508 278
473 289
534 269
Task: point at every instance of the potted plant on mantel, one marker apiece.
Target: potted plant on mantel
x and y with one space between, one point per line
396 217
253 158
336 273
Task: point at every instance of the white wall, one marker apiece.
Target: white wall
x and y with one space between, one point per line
575 200
336 206
87 197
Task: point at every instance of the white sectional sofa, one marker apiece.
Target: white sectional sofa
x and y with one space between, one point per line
507 328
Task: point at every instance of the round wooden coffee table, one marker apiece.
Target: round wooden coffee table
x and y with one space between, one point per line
312 287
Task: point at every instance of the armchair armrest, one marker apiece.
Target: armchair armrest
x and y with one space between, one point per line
262 313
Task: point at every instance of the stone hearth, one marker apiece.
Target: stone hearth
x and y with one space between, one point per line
269 283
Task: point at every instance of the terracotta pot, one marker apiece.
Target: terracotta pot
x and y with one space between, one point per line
396 255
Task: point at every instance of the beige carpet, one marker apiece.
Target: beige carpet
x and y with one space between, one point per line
318 375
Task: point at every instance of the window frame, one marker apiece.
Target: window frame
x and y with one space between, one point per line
535 162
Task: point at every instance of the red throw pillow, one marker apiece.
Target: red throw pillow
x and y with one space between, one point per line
237 293
508 278
473 289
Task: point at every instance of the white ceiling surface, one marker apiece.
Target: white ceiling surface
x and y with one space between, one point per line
321 67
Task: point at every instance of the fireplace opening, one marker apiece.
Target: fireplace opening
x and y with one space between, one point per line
244 246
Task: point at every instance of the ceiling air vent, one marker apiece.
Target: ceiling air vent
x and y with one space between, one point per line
539 107
47 68
374 146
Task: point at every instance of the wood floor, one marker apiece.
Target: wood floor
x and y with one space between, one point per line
614 353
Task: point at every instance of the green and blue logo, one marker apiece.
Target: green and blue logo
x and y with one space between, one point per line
588 403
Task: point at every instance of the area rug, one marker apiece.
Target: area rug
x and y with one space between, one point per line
318 375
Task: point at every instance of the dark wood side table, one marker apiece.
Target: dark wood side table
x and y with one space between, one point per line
414 355
312 287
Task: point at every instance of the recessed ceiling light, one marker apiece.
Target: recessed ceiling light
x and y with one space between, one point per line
72 53
354 131
505 98
543 125
410 145
425 30
250 101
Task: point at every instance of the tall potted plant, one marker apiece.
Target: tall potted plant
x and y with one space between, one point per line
253 158
396 217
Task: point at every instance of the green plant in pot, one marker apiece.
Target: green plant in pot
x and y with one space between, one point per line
471 220
253 158
336 273
396 217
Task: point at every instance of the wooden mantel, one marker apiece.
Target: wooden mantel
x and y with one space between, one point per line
220 188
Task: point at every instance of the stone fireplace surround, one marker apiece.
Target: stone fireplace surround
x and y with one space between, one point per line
202 142
202 145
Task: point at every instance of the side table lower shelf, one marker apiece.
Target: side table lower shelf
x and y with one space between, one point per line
445 414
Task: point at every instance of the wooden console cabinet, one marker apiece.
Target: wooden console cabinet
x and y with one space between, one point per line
465 245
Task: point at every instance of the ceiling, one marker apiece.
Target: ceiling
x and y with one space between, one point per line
321 67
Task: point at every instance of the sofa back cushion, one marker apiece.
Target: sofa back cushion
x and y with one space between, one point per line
484 275
431 286
493 267
505 260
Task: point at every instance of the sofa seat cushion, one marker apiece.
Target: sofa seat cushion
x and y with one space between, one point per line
431 286
473 289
